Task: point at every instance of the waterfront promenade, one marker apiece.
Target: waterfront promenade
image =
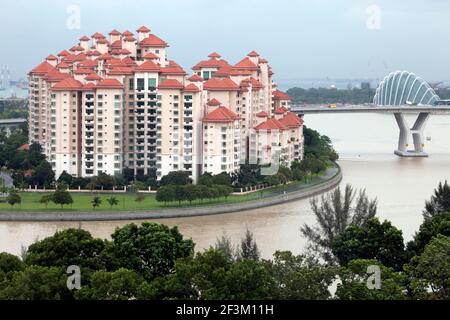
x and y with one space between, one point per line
326 182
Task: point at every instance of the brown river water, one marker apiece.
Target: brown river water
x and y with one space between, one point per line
365 142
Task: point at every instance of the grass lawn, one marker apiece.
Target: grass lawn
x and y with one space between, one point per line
127 201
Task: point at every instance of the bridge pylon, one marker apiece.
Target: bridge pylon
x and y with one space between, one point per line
416 132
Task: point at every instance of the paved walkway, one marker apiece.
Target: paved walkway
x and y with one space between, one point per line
328 181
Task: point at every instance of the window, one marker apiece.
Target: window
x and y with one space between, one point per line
140 84
131 84
151 83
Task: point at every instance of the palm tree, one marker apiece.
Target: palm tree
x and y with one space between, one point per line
113 201
334 214
96 202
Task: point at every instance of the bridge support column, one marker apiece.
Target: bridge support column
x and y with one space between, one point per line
417 134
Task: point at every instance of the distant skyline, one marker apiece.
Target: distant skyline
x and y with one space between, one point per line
301 39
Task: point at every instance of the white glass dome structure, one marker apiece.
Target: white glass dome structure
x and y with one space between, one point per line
404 88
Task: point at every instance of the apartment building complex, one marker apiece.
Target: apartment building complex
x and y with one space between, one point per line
116 102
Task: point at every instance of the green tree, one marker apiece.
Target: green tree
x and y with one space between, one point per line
432 269
165 194
286 172
35 154
36 283
224 246
46 199
178 178
66 248
356 275
334 214
112 201
121 284
138 186
223 179
297 278
43 174
429 229
439 202
190 192
206 179
372 241
248 249
96 202
65 178
61 196
180 194
13 198
10 263
150 249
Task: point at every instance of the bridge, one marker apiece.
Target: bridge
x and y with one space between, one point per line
399 93
9 125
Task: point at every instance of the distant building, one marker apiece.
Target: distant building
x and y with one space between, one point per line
112 103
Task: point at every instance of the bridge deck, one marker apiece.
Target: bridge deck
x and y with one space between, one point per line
371 108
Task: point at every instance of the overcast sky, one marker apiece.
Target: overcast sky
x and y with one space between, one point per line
301 39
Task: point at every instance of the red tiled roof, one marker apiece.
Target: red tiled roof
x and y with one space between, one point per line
117 44
56 76
191 88
114 32
271 124
24 147
129 62
262 114
88 87
105 56
84 38
98 35
120 71
211 63
93 77
263 61
102 41
171 84
221 115
253 54
173 69
214 103
83 71
109 84
62 65
195 78
148 66
77 48
280 95
69 84
281 110
247 64
214 55
51 57
42 69
63 53
291 120
143 29
130 38
127 33
225 84
93 53
150 56
154 42
88 64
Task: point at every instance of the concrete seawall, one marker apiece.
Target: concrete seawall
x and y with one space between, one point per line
331 179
